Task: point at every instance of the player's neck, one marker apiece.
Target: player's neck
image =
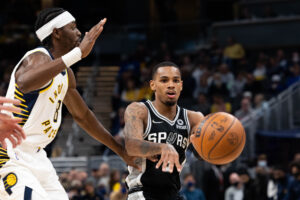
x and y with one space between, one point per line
167 111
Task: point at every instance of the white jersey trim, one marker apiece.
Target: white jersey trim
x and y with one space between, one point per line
163 117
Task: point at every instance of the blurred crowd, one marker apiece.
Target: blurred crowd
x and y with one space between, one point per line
200 181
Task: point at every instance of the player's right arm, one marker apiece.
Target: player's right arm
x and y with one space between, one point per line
135 115
38 69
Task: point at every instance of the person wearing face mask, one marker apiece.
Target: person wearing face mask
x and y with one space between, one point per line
190 192
278 184
294 188
235 191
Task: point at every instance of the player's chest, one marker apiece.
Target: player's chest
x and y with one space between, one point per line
177 135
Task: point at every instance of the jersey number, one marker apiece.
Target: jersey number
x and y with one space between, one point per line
56 112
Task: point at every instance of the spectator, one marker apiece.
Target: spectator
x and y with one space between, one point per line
294 76
219 105
278 185
294 188
235 191
245 109
120 194
260 71
190 192
249 187
89 192
259 101
202 104
103 182
114 180
234 50
227 77
217 86
275 86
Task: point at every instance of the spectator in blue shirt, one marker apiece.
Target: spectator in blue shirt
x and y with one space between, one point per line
190 192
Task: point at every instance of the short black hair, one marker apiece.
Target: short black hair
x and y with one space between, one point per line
164 64
44 17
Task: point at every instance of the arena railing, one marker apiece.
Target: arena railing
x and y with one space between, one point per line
279 113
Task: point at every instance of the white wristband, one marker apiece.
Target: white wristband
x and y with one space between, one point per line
72 57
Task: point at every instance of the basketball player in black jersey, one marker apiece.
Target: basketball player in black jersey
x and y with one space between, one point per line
159 133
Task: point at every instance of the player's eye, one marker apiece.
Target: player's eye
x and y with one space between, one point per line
176 81
164 80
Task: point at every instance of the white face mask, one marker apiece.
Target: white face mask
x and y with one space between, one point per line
262 163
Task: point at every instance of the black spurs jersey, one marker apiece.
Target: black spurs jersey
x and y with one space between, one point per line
161 130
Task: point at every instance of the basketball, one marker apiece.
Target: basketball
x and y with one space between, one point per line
219 138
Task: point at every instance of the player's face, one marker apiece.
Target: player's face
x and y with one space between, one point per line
167 85
71 35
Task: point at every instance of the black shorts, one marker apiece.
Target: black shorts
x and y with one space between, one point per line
139 193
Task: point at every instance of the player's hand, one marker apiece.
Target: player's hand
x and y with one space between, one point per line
9 128
90 38
11 131
169 157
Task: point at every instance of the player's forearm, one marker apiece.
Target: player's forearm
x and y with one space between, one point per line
141 148
35 79
94 128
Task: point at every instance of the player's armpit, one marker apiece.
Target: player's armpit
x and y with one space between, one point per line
135 145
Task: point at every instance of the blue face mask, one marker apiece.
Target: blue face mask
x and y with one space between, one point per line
190 184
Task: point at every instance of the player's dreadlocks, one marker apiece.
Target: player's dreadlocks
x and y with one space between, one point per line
44 17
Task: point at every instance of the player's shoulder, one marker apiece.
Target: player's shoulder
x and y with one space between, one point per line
194 117
37 55
137 109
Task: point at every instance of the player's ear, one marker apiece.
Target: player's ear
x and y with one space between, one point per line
181 85
152 85
56 33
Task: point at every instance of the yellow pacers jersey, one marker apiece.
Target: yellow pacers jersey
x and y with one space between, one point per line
41 109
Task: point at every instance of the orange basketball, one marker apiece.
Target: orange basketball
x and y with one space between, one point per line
219 138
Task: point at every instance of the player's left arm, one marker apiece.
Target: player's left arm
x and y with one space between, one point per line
86 119
194 118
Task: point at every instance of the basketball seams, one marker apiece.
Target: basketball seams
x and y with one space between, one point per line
223 156
211 118
233 121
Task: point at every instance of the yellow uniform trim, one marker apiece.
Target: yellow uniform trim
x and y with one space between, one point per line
22 114
19 98
67 77
47 87
23 105
21 118
19 93
21 108
16 85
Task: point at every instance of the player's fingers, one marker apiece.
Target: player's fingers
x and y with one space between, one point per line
177 164
10 109
7 100
165 164
5 117
160 161
17 136
99 29
12 140
171 165
20 131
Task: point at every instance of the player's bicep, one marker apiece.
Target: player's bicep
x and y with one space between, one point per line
134 126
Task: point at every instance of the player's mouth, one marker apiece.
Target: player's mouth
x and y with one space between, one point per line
171 94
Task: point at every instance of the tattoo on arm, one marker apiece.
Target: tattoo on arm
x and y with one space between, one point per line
133 131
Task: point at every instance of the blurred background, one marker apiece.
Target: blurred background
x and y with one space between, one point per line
236 56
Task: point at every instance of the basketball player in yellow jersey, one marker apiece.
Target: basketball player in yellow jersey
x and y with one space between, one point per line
42 81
